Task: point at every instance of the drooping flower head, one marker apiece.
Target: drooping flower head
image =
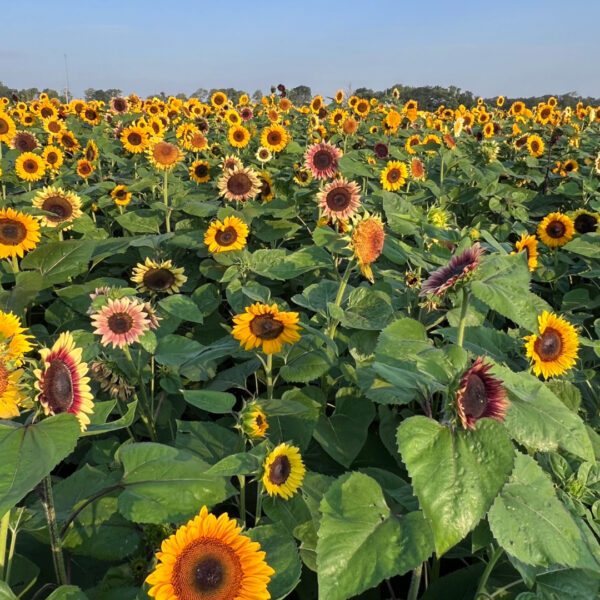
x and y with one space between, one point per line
240 184
120 322
254 421
231 234
63 383
554 348
283 471
19 233
480 395
556 229
585 221
164 156
529 244
158 277
209 559
458 268
339 199
64 206
368 237
267 327
322 160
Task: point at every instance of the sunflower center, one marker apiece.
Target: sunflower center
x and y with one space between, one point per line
3 126
393 175
120 193
322 160
266 327
90 114
226 237
238 136
12 233
280 470
25 142
549 345
51 158
120 323
556 229
259 419
209 575
265 188
338 199
159 279
239 184
135 139
274 138
69 142
120 105
59 206
58 386
474 399
84 168
201 170
585 223
30 166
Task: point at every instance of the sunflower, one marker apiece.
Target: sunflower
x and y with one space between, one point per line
30 166
53 157
120 195
19 233
500 101
164 156
457 269
154 277
266 326
554 348
368 237
85 168
239 136
62 382
253 421
247 113
434 139
239 184
64 206
585 221
15 336
381 150
199 171
362 108
488 130
394 175
11 396
316 104
266 186
231 234
283 471
231 162
7 128
417 169
322 160
120 322
233 117
134 139
349 126
68 141
263 154
90 115
480 395
90 151
275 138
209 559
568 167
535 145
556 229
529 244
339 199
119 105
339 96
23 141
413 140
218 99
302 177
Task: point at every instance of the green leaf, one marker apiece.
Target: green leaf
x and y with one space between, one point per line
182 307
30 452
174 350
57 261
67 592
282 556
154 471
140 221
455 475
306 367
6 593
236 464
531 524
213 402
99 425
367 309
361 543
539 420
206 439
586 245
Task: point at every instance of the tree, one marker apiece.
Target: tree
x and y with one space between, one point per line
257 96
300 94
201 94
101 95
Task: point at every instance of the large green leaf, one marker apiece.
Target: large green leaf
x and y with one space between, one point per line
531 524
182 307
67 592
166 484
57 261
455 474
30 452
213 402
539 420
361 543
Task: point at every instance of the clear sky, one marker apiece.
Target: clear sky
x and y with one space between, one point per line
488 47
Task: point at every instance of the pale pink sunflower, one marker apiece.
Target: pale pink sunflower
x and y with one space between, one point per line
339 199
322 160
121 322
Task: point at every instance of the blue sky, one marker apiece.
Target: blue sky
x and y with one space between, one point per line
510 47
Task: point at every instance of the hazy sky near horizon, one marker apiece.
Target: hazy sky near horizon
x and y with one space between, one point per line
512 47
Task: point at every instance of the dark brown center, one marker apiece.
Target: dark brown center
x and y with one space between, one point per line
58 386
474 399
280 470
265 188
25 142
226 237
549 346
3 126
30 166
585 223
59 206
90 114
46 112
238 135
274 138
322 160
158 279
12 232
135 139
120 323
51 158
239 184
84 169
393 175
266 327
556 229
201 170
338 199
68 141
208 575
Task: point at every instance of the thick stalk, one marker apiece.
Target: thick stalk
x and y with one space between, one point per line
3 540
11 554
488 571
269 376
166 200
143 405
55 541
339 296
258 503
415 582
463 316
242 480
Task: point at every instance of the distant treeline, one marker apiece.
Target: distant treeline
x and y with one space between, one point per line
428 97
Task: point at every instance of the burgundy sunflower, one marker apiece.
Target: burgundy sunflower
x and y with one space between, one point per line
322 159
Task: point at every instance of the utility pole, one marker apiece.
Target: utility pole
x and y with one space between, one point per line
67 74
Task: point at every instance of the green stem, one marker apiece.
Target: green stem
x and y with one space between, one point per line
415 583
242 480
11 553
258 503
166 200
3 539
269 376
442 171
463 317
15 264
339 296
55 541
488 571
143 405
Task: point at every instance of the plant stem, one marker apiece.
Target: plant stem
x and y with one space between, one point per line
11 553
463 317
339 297
166 200
258 503
3 538
415 583
269 376
488 571
15 265
143 405
55 541
242 480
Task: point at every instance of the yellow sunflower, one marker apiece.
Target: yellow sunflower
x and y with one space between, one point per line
394 175
254 421
30 166
11 396
585 221
535 145
19 233
135 139
529 244
368 237
554 349
7 128
54 157
413 140
15 336
64 206
68 141
218 99
208 558
120 195
556 229
266 326
238 136
231 234
62 382
275 138
85 168
199 171
153 277
283 471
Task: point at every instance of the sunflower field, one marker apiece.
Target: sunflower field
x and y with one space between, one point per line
255 350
